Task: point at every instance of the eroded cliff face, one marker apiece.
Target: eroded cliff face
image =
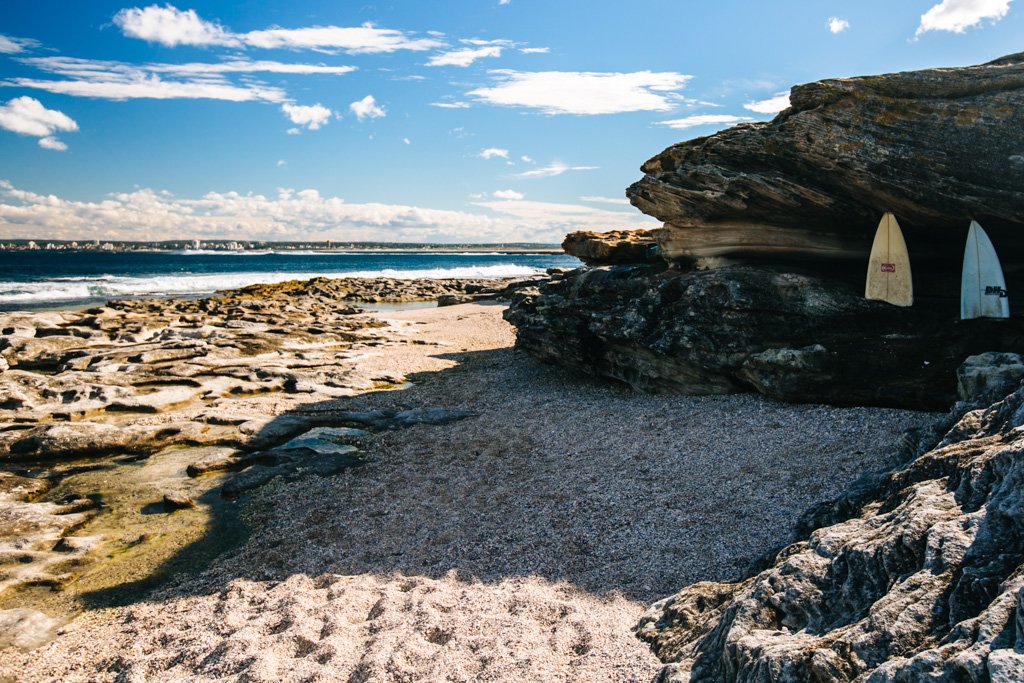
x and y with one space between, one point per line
923 579
937 147
767 232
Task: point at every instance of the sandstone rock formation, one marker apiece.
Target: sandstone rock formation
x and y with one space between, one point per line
920 579
937 147
614 246
767 231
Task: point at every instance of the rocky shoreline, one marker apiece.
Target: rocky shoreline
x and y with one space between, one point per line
88 397
486 521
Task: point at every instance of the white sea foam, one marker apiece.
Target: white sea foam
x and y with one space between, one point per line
109 286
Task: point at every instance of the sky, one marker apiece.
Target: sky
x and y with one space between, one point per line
460 121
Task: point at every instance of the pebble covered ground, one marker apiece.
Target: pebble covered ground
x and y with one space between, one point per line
519 544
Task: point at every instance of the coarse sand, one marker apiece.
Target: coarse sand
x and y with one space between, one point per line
521 544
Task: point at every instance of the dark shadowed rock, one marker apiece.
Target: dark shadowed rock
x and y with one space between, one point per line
924 580
612 247
937 147
982 379
794 337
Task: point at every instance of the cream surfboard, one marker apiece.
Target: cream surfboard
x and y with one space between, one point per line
889 277
982 288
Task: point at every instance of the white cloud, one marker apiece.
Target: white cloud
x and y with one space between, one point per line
492 152
553 169
509 194
312 116
451 105
365 39
772 105
155 88
97 69
837 25
53 143
291 215
704 120
28 116
367 108
121 81
294 131
281 162
463 56
959 15
573 92
171 26
606 200
526 159
407 141
10 45
535 50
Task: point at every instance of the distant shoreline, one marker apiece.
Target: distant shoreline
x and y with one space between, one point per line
227 246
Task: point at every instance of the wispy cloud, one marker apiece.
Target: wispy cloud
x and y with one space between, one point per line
837 25
192 80
957 16
312 116
94 69
28 116
171 26
509 194
584 93
772 105
367 108
464 56
9 45
553 169
606 200
451 105
291 215
704 120
535 50
492 152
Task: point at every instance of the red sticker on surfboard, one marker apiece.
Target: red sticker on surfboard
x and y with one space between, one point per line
888 267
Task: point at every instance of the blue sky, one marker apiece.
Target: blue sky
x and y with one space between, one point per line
464 120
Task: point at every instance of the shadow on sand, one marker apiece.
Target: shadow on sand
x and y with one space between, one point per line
554 475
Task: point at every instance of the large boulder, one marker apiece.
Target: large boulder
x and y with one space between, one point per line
919 578
937 147
612 247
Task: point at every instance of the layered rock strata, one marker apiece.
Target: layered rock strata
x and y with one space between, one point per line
937 147
919 578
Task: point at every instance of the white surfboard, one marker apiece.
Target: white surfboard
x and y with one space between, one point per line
983 287
889 278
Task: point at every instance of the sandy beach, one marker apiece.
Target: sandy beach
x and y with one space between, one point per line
521 543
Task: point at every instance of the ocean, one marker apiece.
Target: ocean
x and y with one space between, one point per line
32 280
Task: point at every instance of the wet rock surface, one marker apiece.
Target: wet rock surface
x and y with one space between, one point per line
184 400
922 578
791 336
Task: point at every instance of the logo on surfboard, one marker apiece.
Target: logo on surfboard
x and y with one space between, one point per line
888 267
995 290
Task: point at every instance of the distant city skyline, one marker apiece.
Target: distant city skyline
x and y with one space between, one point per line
469 121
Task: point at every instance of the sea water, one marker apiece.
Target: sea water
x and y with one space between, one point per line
68 279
